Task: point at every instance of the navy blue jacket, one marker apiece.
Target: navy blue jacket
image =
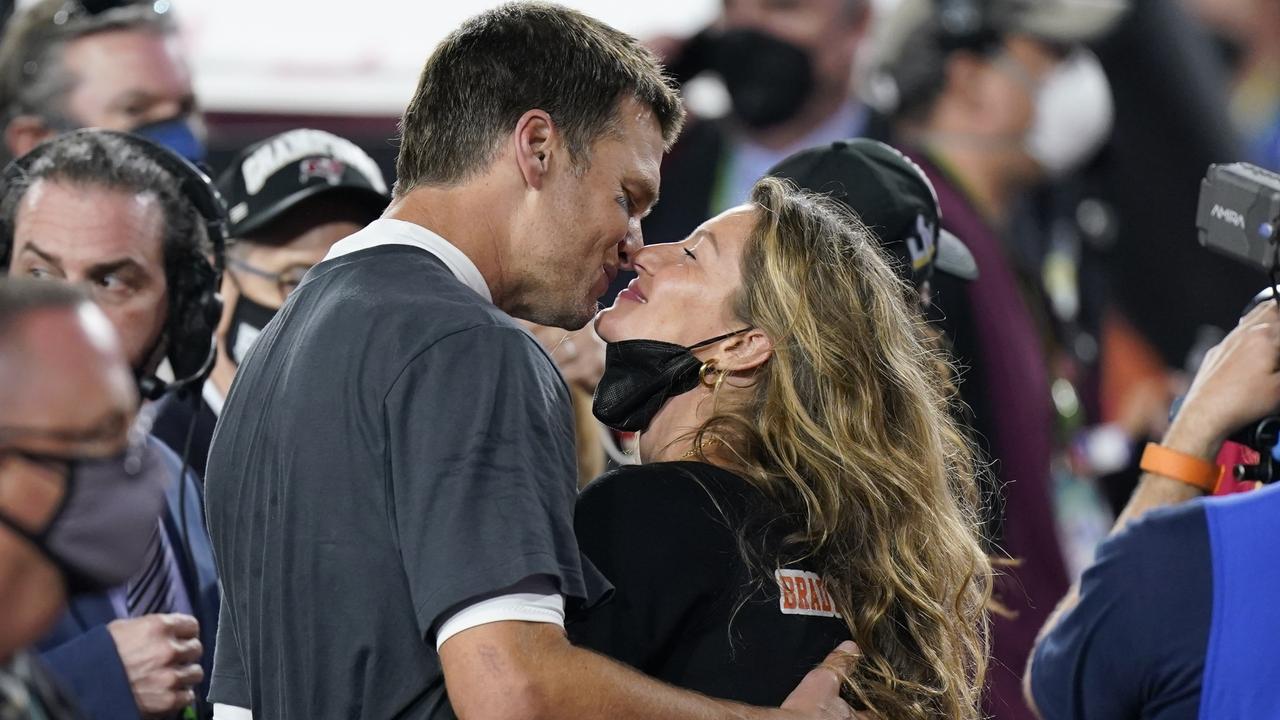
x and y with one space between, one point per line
1177 620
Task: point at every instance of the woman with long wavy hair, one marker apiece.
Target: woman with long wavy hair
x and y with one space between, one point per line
803 479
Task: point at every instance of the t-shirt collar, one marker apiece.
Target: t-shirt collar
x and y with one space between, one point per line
212 397
386 231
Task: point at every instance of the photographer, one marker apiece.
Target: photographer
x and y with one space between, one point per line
125 218
1177 617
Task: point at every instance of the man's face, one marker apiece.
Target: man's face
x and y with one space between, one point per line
580 222
828 30
126 79
288 259
109 240
68 393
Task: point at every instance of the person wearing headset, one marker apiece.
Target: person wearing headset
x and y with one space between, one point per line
290 197
132 223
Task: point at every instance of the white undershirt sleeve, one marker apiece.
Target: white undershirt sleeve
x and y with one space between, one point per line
230 712
522 607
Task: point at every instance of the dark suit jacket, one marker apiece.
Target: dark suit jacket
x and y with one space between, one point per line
173 419
79 650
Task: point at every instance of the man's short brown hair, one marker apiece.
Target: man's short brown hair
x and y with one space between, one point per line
515 58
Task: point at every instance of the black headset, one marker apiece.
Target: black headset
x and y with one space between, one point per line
193 281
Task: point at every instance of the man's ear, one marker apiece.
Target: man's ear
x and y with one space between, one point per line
535 134
25 132
744 352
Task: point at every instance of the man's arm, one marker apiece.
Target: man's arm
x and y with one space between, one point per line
530 671
91 670
1238 382
135 667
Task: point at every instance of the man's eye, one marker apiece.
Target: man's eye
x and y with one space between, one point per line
111 282
689 252
40 273
625 202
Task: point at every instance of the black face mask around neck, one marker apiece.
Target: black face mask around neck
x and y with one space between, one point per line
641 375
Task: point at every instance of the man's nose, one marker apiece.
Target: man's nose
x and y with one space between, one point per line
630 245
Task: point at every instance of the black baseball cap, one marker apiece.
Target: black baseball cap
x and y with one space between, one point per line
269 177
892 196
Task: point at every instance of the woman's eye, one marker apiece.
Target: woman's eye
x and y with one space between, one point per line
689 252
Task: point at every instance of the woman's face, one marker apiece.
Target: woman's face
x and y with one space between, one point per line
683 291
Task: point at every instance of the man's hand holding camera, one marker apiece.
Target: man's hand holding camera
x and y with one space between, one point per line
1239 382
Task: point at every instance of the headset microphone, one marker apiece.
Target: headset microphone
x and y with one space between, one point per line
194 306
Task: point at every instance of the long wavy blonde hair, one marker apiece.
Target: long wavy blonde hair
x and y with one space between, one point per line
849 425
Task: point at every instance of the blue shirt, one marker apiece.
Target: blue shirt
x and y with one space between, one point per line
1179 617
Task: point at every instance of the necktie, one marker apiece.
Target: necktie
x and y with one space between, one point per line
151 590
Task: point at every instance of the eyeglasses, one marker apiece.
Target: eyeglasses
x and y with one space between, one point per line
286 280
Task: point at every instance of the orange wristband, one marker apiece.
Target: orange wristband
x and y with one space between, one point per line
1194 471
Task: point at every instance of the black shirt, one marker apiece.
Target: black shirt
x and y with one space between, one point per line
393 448
688 607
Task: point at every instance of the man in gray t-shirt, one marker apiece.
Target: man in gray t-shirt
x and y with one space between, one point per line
390 487
414 453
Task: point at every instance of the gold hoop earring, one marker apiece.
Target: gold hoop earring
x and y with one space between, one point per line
707 368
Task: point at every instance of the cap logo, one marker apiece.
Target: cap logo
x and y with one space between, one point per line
296 145
328 169
925 243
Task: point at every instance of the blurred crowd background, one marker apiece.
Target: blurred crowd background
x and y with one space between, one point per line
1110 302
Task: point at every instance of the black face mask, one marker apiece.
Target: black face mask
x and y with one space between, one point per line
641 375
768 79
247 320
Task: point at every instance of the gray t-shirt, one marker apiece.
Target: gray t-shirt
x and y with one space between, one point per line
393 448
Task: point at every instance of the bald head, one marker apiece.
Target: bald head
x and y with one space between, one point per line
61 366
